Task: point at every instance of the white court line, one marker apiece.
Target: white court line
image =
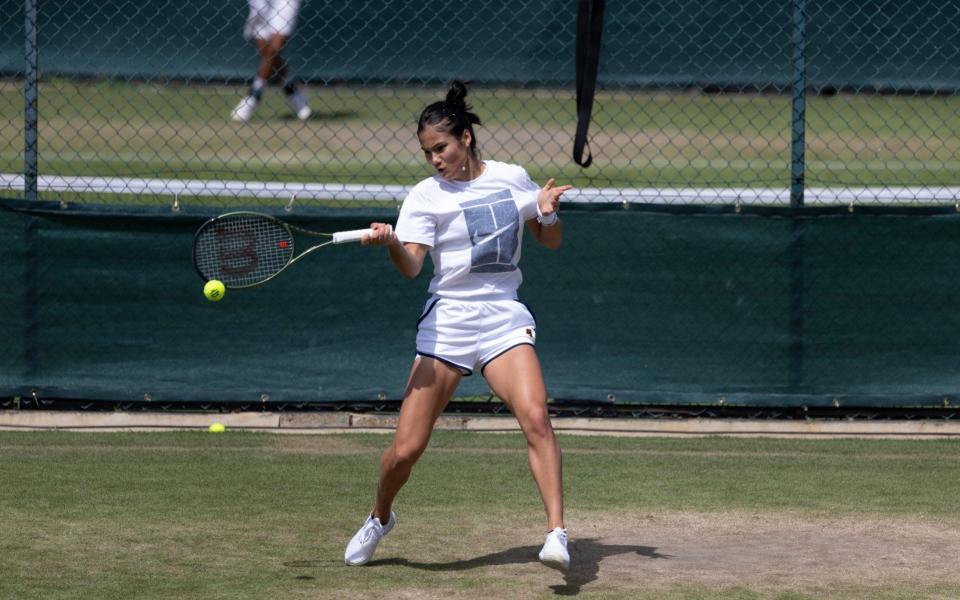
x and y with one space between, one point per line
395 193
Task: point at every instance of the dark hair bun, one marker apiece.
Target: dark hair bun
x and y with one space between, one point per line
452 115
457 101
457 95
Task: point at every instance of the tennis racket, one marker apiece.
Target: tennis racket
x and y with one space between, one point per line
245 249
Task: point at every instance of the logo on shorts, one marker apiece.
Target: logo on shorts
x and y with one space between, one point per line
531 333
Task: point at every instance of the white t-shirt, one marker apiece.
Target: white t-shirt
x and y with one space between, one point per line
474 229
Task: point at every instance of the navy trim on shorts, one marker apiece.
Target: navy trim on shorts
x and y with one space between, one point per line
427 312
465 372
499 354
530 310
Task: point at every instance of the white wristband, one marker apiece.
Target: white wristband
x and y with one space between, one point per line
548 220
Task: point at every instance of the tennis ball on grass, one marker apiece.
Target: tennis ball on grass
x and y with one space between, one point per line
217 428
214 290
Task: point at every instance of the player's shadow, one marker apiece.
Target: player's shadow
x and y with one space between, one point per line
586 555
334 115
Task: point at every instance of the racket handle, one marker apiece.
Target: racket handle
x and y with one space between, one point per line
355 235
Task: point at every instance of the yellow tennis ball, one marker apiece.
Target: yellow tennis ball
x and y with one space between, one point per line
214 290
217 428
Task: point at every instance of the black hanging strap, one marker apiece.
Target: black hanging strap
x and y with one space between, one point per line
589 29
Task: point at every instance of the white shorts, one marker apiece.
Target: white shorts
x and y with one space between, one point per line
269 17
469 334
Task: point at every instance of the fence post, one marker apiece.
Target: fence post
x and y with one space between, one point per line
797 184
797 164
30 93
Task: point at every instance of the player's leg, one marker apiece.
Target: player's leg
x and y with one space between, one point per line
255 30
283 22
516 378
272 68
429 389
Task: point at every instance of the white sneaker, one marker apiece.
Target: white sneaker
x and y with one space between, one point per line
363 544
554 552
298 105
244 110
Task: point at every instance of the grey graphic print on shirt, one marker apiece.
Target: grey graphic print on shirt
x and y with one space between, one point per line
494 226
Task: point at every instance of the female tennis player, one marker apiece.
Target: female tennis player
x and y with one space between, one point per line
469 218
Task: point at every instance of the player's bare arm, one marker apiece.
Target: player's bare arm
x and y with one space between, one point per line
406 257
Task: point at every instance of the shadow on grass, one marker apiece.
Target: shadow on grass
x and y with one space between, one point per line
586 556
334 115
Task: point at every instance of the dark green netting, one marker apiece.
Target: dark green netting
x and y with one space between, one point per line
689 307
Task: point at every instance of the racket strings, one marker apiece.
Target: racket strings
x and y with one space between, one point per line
243 250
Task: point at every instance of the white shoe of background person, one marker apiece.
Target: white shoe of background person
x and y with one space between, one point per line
244 110
364 543
298 104
554 552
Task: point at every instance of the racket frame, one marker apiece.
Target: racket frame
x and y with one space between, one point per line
337 237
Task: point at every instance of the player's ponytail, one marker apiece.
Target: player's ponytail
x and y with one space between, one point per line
452 115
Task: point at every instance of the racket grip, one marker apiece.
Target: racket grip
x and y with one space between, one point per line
355 235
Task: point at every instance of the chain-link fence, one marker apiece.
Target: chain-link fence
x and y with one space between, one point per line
696 101
765 218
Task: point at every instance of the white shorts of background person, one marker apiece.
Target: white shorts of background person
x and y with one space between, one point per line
271 17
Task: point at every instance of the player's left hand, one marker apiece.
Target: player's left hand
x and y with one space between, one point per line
549 198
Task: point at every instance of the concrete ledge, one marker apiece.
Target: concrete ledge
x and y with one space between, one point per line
131 421
345 422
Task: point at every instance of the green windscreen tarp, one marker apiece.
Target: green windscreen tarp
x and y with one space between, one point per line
638 306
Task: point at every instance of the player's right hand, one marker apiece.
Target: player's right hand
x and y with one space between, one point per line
383 235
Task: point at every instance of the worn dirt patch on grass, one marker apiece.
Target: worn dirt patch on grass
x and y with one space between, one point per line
762 550
620 556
